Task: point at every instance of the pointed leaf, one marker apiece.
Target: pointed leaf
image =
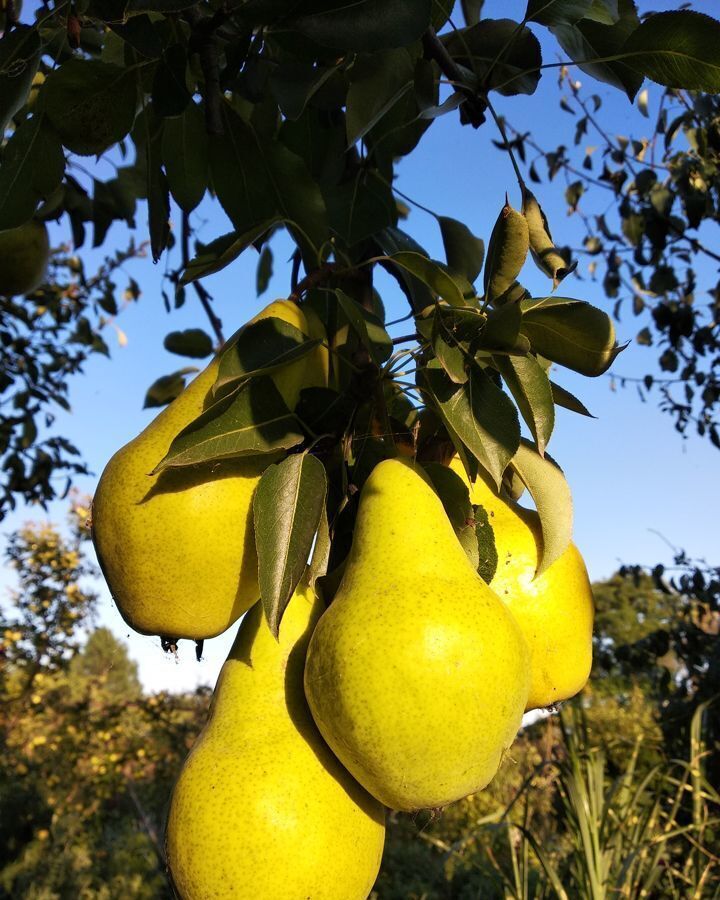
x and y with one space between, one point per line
287 509
213 257
185 155
166 388
192 342
377 82
528 382
564 398
366 25
391 241
250 421
557 12
446 286
32 167
19 59
507 252
550 491
372 335
487 549
464 252
321 551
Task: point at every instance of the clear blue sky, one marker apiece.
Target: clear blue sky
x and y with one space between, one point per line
636 483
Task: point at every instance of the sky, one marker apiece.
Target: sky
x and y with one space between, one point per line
639 489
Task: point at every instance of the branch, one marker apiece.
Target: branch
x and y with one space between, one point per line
473 109
204 42
203 295
311 280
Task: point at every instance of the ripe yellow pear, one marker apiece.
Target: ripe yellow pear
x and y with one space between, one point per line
262 809
417 675
177 549
24 253
555 610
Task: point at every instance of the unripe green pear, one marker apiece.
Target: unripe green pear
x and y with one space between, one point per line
24 253
177 548
262 810
554 610
417 675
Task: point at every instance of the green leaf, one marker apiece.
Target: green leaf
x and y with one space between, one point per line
546 255
504 55
91 104
569 401
360 207
487 549
605 12
193 342
587 41
32 167
252 420
321 551
20 51
166 388
185 155
455 497
480 414
377 82
287 509
464 252
366 25
572 333
677 49
502 331
294 84
170 94
222 251
260 348
557 12
391 241
528 382
448 287
158 199
472 10
372 335
550 491
264 271
507 252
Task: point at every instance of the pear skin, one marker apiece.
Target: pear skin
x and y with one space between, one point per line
24 253
555 610
262 809
177 549
417 675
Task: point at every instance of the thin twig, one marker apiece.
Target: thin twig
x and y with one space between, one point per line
475 105
203 296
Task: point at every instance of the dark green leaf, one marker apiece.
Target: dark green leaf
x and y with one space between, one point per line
139 33
464 252
528 382
391 241
455 497
249 421
222 251
572 333
324 410
502 331
480 414
487 550
472 10
192 342
166 388
551 494
32 167
449 287
170 94
557 12
366 25
507 252
264 270
287 509
360 207
377 82
677 49
294 83
605 12
371 333
91 104
321 551
19 60
185 155
158 199
569 401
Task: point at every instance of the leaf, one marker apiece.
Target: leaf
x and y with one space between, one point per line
550 491
253 419
193 342
588 41
507 252
472 10
572 333
557 12
294 84
569 401
170 94
379 346
480 414
544 252
453 492
464 252
32 167
605 12
377 82
158 199
505 55
487 550
321 551
213 257
391 241
366 25
528 382
166 388
677 49
20 51
185 156
91 104
433 275
287 509
360 207
264 270
260 348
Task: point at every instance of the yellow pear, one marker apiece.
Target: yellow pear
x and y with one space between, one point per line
262 810
417 675
177 549
555 610
24 253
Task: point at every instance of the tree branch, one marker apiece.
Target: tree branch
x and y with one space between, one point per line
473 109
203 295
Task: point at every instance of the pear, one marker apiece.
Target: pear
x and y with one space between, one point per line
177 549
262 810
24 253
417 675
555 610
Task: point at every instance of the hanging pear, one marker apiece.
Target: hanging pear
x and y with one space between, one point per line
262 809
177 548
555 610
417 675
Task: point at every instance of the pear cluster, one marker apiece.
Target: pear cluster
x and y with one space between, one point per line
404 693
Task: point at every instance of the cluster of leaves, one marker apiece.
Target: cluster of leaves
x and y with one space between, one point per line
45 339
656 258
